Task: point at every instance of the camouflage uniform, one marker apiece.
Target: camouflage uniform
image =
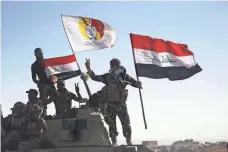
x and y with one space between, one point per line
14 126
37 101
35 127
118 107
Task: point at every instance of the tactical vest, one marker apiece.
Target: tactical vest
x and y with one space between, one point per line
13 123
17 122
113 92
63 101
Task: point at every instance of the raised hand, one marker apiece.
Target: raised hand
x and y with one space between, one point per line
87 64
76 87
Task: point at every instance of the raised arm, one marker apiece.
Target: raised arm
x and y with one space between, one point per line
133 82
98 78
93 76
78 93
74 97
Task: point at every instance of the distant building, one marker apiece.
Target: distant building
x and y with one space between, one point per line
195 143
150 144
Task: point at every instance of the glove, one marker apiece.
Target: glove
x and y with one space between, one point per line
138 84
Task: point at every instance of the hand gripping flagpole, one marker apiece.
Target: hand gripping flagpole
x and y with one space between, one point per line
140 94
83 78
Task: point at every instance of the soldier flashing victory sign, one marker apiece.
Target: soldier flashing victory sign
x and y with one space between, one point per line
116 69
115 96
63 98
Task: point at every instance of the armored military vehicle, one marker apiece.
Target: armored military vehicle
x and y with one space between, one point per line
86 131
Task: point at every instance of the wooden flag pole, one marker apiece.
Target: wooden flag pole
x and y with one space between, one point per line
85 83
140 93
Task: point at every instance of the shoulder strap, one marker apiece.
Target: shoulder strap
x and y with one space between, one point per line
109 79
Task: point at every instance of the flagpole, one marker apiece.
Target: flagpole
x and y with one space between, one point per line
140 93
85 83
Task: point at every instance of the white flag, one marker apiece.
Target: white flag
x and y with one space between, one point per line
88 34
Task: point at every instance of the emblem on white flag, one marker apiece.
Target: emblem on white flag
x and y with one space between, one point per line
88 34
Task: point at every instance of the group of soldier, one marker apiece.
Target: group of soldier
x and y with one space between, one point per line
27 121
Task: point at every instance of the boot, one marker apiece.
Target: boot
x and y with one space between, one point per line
114 142
128 141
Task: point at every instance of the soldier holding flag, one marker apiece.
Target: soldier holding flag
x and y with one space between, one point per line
115 95
37 70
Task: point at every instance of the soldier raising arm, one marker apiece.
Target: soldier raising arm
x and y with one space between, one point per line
119 70
61 89
99 78
115 96
79 97
63 98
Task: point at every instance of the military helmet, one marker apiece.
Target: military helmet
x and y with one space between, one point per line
115 61
18 104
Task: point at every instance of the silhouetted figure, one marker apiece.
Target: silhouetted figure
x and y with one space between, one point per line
37 70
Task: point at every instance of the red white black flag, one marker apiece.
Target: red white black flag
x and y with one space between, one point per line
157 58
61 68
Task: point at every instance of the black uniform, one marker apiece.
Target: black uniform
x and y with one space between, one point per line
63 102
38 70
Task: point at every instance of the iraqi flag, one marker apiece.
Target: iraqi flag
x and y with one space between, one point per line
157 59
61 68
86 34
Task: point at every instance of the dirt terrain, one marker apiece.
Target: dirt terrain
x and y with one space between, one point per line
214 150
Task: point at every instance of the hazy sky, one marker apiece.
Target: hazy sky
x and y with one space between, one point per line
192 108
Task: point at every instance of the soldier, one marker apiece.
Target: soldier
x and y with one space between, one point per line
96 102
14 126
63 99
38 70
33 99
35 126
15 120
115 95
